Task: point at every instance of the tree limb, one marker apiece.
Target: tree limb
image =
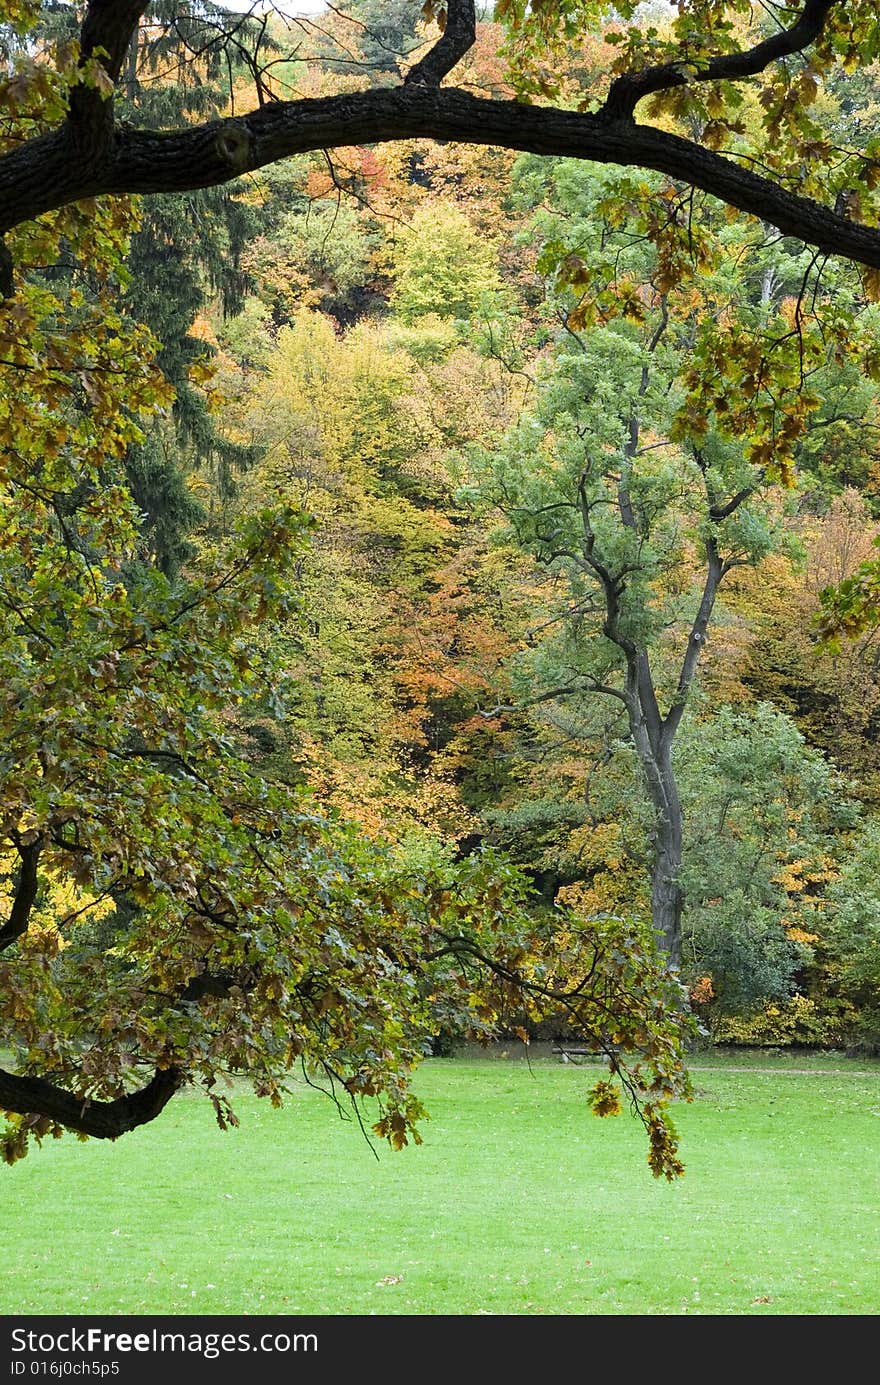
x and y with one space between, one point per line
583 683
459 35
719 512
714 573
105 1120
716 569
46 173
110 25
7 271
106 35
632 87
25 894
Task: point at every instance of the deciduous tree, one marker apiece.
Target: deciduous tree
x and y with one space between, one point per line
251 932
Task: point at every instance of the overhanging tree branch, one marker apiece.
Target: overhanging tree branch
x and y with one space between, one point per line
48 172
105 1120
632 87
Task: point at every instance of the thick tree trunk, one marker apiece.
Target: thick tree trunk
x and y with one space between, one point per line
666 895
654 736
653 748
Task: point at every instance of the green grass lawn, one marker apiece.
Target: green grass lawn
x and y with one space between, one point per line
518 1202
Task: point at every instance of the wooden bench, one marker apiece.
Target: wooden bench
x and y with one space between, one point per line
573 1053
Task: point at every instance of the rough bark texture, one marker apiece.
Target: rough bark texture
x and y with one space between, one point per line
90 156
49 172
105 1120
106 34
458 36
666 895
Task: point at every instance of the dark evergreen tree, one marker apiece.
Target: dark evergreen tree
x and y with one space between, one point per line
181 64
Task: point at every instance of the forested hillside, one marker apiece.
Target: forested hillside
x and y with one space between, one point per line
439 585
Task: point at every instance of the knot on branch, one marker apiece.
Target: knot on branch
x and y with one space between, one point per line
233 145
